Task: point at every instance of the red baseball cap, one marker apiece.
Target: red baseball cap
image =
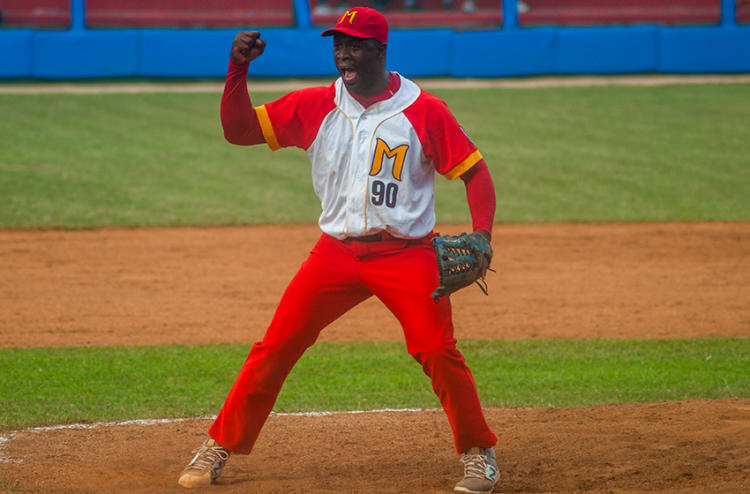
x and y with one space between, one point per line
361 22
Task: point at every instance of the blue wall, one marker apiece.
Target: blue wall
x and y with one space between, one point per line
81 53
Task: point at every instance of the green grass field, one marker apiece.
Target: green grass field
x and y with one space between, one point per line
93 384
556 154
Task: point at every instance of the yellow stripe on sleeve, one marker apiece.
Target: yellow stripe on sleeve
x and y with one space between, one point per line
462 167
267 128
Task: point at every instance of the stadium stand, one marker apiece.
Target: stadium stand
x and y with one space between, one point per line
188 13
743 11
557 13
39 13
431 13
611 12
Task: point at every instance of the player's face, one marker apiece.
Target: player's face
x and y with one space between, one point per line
361 63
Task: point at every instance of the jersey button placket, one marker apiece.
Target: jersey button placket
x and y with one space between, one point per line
361 181
355 213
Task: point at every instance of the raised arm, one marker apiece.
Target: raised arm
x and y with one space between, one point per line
238 118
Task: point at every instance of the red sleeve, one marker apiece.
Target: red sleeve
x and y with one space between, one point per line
480 194
443 140
238 119
295 118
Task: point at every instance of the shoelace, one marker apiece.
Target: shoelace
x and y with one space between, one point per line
206 457
474 465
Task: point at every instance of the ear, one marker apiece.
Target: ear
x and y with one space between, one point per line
382 48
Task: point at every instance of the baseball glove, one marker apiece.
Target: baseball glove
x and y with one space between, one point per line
462 260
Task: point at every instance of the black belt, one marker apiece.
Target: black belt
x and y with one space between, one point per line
375 237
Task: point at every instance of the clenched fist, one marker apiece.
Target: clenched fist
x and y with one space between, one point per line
247 46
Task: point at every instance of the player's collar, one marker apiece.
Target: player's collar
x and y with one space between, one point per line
405 94
393 85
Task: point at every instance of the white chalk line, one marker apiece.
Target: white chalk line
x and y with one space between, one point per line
428 83
6 438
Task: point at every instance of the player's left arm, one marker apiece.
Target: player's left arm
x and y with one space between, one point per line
454 155
480 194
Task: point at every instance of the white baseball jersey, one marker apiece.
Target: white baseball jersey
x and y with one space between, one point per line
373 169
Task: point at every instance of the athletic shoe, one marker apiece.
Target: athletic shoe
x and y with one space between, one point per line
480 471
206 465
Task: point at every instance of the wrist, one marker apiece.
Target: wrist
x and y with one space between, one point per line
484 233
235 66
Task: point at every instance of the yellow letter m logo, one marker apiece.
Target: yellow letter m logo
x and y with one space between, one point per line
347 15
398 155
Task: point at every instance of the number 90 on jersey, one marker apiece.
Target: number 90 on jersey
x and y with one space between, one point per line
384 194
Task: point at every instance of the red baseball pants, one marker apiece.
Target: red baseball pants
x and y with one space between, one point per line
335 277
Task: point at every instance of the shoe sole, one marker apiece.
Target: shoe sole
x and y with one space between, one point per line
194 481
464 490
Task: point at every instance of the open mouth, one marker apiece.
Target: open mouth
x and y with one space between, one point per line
349 75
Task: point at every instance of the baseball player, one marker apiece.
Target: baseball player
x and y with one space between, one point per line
375 141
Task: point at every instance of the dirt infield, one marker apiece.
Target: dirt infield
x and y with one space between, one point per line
190 285
221 285
696 446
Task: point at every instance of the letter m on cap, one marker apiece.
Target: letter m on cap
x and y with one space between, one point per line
347 15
